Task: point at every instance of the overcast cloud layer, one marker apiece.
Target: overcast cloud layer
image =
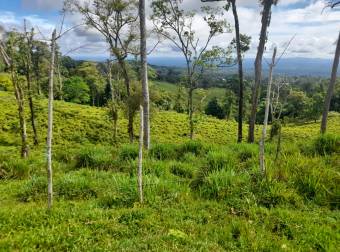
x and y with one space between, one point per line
316 31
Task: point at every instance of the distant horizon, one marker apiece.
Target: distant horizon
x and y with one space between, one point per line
291 66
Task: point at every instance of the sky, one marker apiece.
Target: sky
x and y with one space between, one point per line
316 29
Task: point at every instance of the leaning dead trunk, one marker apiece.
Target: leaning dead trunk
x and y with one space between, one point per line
50 123
144 74
266 115
19 96
266 13
29 54
140 157
330 88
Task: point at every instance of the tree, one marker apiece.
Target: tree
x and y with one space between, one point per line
116 21
140 157
76 90
331 86
213 108
26 47
176 25
89 72
11 58
266 17
240 65
144 75
266 115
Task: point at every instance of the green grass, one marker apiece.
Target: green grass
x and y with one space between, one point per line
200 195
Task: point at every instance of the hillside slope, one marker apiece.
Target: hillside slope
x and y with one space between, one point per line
75 123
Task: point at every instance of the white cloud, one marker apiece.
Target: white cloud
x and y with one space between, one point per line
315 30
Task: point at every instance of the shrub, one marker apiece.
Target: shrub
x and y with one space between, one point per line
327 144
218 160
163 151
182 169
128 152
225 185
33 189
194 147
72 187
94 157
14 169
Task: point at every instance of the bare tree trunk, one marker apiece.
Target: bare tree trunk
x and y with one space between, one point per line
266 114
128 91
278 147
266 14
191 113
240 71
19 96
60 79
330 88
144 75
50 122
140 157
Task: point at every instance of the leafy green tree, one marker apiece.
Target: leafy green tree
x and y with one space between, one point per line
213 108
176 25
315 107
76 90
296 105
91 75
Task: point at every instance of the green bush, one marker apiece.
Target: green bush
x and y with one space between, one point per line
183 170
218 160
128 152
14 169
194 147
94 157
73 187
33 189
327 144
163 151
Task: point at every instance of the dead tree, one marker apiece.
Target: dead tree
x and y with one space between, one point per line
331 86
266 115
50 121
144 74
140 157
29 36
266 17
9 59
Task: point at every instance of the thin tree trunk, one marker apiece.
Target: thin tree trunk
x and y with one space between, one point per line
29 54
240 72
144 75
50 122
266 115
140 157
266 13
191 113
278 147
60 79
128 91
330 88
19 96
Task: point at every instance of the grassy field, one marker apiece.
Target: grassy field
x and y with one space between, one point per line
202 195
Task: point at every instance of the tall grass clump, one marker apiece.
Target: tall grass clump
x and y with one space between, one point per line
95 157
327 144
128 152
122 192
194 147
163 151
